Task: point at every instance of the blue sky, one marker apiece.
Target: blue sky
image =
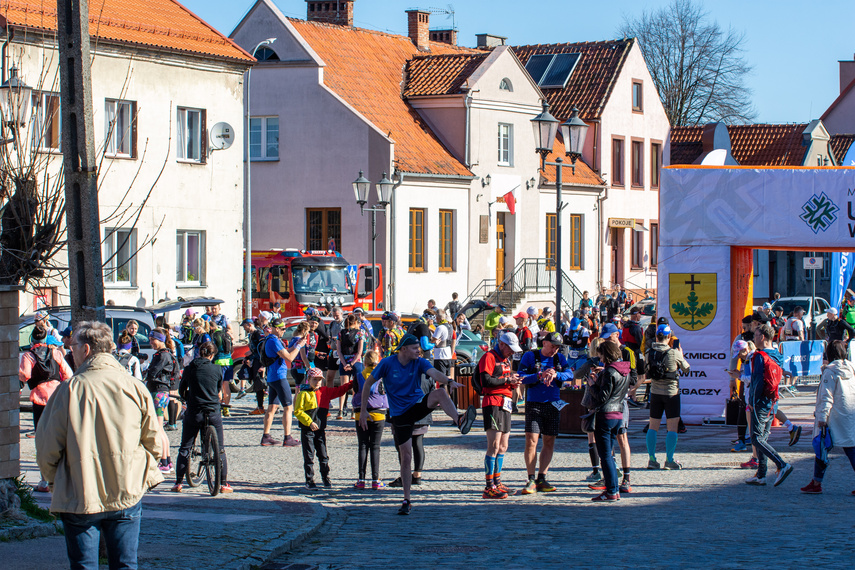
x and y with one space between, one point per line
794 46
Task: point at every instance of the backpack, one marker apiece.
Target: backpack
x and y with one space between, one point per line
656 365
453 308
223 340
125 359
475 381
771 375
45 366
262 352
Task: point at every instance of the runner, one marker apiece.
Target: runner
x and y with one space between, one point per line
442 340
350 345
255 374
123 354
277 357
576 338
663 362
497 382
543 371
369 439
526 342
392 333
161 374
408 404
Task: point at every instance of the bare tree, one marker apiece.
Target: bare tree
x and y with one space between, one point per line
698 67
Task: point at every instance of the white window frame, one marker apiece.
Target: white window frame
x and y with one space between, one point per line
39 104
506 144
114 238
182 276
264 126
119 124
185 132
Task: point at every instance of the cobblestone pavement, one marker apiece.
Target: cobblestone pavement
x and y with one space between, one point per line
703 515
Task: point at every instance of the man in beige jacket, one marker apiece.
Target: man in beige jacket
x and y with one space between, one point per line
98 445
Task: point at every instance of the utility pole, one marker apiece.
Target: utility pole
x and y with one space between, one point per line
86 280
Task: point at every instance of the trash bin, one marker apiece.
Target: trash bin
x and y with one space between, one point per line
570 420
465 396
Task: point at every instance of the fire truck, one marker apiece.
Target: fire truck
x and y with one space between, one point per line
298 278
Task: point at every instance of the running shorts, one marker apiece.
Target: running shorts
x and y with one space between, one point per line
542 418
497 418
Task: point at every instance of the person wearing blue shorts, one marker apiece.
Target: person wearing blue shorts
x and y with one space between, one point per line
277 383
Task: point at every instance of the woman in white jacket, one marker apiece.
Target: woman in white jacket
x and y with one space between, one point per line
835 409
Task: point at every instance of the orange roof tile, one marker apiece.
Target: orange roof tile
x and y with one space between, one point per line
583 174
440 74
131 21
840 145
592 80
365 68
751 145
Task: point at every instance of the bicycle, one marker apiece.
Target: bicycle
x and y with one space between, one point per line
206 458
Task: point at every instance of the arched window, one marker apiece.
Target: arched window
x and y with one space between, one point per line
264 53
506 85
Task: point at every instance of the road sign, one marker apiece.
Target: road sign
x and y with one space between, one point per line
813 262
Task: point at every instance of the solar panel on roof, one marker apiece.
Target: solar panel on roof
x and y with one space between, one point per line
537 65
559 70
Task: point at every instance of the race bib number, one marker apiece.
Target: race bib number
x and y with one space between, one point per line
559 404
507 404
574 354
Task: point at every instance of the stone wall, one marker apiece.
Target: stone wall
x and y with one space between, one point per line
10 433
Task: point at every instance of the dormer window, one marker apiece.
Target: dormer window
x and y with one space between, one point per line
506 85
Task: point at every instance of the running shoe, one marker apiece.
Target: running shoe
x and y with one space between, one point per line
166 468
405 509
494 493
326 481
625 487
416 481
652 464
543 486
226 488
43 487
502 488
756 481
646 428
633 403
226 412
257 412
783 473
360 484
176 488
290 442
311 485
682 427
267 440
812 488
598 486
241 394
739 446
795 434
466 420
673 465
530 488
30 434
341 417
593 477
396 483
169 427
605 497
377 485
750 464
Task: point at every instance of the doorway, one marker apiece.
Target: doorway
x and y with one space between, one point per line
617 264
500 248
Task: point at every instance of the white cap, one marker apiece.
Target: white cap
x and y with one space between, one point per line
511 340
531 311
504 320
832 311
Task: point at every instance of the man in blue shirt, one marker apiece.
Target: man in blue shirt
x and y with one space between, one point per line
277 383
401 375
543 371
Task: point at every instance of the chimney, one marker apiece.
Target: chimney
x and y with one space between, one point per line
444 36
847 74
417 24
489 40
338 12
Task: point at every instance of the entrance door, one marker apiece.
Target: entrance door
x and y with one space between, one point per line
500 247
617 256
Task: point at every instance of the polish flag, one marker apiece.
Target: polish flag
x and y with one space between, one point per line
511 202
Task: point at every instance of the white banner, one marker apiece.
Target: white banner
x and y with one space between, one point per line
694 295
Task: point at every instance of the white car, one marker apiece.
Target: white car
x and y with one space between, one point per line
814 313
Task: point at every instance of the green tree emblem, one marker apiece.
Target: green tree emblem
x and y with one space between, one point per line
693 310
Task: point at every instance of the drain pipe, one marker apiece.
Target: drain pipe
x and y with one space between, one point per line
603 196
467 103
9 34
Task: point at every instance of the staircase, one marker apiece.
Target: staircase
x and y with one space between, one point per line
530 276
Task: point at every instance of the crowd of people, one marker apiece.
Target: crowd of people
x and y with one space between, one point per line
396 376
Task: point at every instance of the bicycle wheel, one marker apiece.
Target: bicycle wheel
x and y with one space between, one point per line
211 460
194 466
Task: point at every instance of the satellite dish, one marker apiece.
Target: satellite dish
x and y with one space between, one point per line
222 136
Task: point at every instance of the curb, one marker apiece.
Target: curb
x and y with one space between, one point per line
284 543
34 530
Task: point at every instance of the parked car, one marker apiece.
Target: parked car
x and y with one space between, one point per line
648 311
815 314
470 348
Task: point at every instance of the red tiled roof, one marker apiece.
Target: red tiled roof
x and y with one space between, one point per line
751 145
840 145
440 74
592 80
583 173
365 68
163 24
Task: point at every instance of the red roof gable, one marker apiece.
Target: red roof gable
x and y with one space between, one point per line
365 68
132 21
440 74
591 82
751 145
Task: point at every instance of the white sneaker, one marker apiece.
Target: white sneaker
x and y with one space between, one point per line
783 473
757 481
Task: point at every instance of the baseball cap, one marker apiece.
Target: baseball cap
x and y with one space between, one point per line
662 321
759 317
40 316
574 323
546 310
504 320
738 346
511 340
663 330
314 373
554 338
406 340
531 311
608 330
246 322
206 317
308 311
501 308
595 309
389 316
357 311
521 315
66 332
767 306
746 320
189 313
277 323
278 304
832 311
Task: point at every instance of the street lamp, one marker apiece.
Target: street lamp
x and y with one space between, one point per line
15 97
247 195
361 188
573 131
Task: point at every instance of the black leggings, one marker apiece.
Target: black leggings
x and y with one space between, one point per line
193 423
369 440
418 452
37 414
